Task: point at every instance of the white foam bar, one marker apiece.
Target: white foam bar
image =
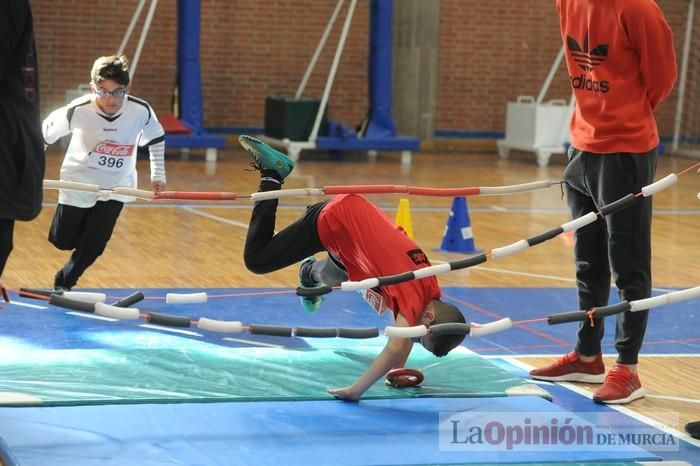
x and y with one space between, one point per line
266 195
660 185
516 188
510 249
85 296
186 298
649 303
71 186
432 270
580 222
361 285
222 326
684 295
698 196
406 332
491 327
137 193
115 312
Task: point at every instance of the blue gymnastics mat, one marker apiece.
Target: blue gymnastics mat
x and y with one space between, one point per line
373 432
208 373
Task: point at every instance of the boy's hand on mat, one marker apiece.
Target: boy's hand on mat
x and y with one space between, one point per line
345 394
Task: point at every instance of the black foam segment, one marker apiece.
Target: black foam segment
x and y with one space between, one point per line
612 310
273 330
316 332
316 291
129 300
358 332
168 320
617 205
74 304
564 317
453 328
468 262
398 278
547 235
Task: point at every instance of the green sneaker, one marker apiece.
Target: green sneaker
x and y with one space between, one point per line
309 303
265 157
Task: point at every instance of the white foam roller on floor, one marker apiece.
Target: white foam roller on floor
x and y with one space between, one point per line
660 185
186 298
115 312
510 249
491 327
432 270
406 332
361 285
222 326
649 303
85 296
579 222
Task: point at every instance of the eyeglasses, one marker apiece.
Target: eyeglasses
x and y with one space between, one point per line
104 93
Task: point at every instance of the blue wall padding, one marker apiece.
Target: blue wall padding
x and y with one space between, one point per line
188 70
376 432
381 124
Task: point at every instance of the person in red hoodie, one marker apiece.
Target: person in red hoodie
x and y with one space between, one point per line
363 243
622 65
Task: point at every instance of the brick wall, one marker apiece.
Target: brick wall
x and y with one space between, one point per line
490 52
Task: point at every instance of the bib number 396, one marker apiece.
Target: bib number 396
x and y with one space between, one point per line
110 156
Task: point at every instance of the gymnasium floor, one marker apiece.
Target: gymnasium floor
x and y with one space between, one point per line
186 247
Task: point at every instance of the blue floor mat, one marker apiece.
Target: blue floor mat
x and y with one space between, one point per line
374 432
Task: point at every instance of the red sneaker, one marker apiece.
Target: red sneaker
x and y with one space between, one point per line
621 386
570 368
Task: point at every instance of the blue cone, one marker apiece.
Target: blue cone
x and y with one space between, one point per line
458 235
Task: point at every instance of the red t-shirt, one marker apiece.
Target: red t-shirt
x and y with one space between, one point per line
621 65
370 245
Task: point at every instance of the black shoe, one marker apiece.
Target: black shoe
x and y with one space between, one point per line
59 284
693 428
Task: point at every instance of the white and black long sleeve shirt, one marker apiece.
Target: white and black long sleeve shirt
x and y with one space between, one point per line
103 148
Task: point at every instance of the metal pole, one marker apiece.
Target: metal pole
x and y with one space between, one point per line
334 67
319 48
684 72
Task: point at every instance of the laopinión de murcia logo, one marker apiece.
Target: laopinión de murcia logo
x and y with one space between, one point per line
587 59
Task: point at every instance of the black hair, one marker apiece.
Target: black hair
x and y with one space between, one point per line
114 68
446 313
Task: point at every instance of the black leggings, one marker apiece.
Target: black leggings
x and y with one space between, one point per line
87 230
266 251
6 229
621 242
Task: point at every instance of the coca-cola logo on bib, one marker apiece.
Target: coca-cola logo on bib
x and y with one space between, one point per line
113 149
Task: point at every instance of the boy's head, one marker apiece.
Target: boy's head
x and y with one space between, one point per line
109 80
114 68
437 312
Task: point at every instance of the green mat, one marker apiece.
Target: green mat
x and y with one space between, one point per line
111 376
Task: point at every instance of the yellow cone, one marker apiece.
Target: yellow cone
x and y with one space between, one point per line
403 217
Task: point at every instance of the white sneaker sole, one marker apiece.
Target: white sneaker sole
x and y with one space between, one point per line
635 395
573 377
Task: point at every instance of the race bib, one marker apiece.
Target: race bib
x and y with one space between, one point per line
374 299
111 156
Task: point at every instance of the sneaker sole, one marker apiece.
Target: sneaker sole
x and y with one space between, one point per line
635 395
248 143
573 377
